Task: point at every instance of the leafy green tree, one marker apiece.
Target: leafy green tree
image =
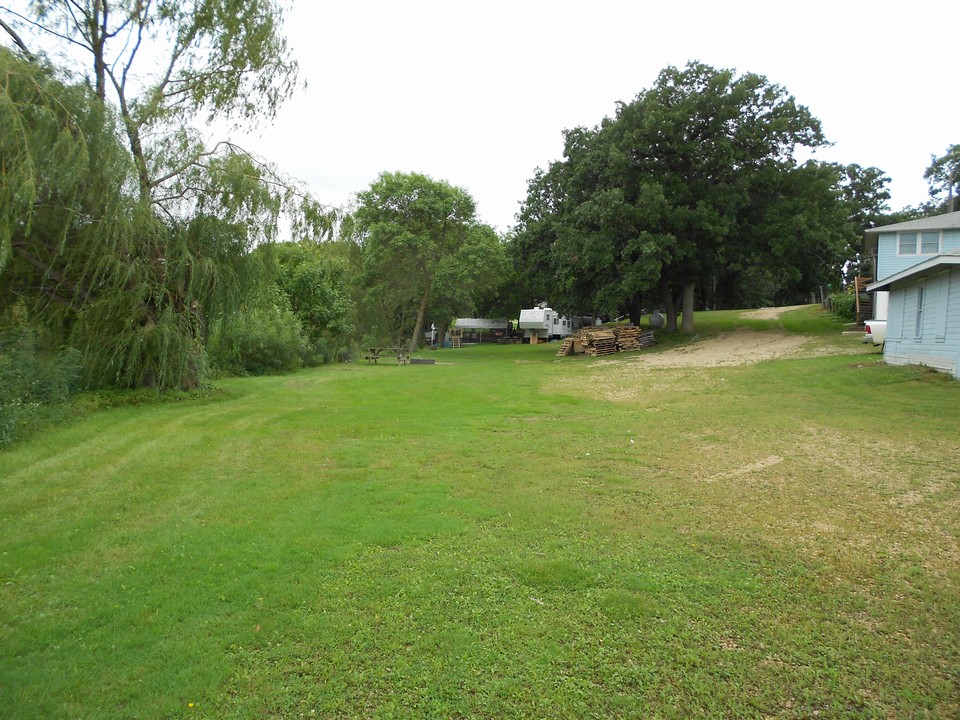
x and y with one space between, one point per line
866 195
152 243
796 230
421 244
315 283
65 230
262 337
98 268
943 176
657 198
534 268
165 63
470 276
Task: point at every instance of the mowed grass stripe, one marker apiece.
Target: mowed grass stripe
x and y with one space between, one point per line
490 537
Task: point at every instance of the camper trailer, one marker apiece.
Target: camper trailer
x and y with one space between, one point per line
480 330
542 323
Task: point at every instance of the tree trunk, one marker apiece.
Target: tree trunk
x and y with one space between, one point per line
669 307
688 294
635 309
421 314
98 36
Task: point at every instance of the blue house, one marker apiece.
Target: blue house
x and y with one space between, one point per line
895 248
918 263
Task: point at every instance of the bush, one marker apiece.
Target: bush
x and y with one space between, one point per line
262 341
32 380
844 306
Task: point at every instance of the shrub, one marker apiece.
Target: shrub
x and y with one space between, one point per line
261 341
844 306
33 379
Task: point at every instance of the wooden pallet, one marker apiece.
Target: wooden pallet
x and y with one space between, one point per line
627 338
600 341
566 347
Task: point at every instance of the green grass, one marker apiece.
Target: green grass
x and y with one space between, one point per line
490 537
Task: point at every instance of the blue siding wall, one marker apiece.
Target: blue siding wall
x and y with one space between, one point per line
889 263
951 240
938 342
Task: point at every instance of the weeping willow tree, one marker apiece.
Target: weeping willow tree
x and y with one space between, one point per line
123 231
82 256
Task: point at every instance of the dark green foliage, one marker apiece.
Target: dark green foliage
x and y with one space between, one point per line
97 268
692 184
944 179
121 233
422 253
844 305
297 314
262 340
32 380
314 279
943 176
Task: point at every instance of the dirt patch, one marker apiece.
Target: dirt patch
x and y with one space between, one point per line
747 469
741 347
769 313
627 378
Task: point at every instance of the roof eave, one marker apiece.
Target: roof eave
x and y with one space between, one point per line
918 269
946 221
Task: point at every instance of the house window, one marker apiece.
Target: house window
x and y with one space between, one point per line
908 243
922 243
918 326
929 243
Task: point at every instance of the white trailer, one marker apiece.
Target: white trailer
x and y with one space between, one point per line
542 323
481 324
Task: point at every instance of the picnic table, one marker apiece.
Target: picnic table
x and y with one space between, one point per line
377 353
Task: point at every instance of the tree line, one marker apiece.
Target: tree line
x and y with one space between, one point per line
149 255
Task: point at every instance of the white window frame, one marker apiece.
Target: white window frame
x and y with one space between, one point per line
918 247
918 312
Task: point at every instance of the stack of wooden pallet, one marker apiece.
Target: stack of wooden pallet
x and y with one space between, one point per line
597 341
630 337
566 347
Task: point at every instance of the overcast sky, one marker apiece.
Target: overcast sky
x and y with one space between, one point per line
478 93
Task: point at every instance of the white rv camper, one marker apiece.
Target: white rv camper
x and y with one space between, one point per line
542 323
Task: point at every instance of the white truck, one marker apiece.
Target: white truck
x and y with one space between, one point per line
875 331
542 323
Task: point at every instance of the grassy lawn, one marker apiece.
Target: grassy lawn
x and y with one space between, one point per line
497 535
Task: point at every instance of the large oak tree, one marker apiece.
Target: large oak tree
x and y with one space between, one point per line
687 184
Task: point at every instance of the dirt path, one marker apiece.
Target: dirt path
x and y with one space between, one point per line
740 347
768 313
630 378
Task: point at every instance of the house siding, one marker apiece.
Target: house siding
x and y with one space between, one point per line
938 344
890 263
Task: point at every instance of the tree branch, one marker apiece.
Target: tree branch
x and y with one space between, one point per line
17 40
83 293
